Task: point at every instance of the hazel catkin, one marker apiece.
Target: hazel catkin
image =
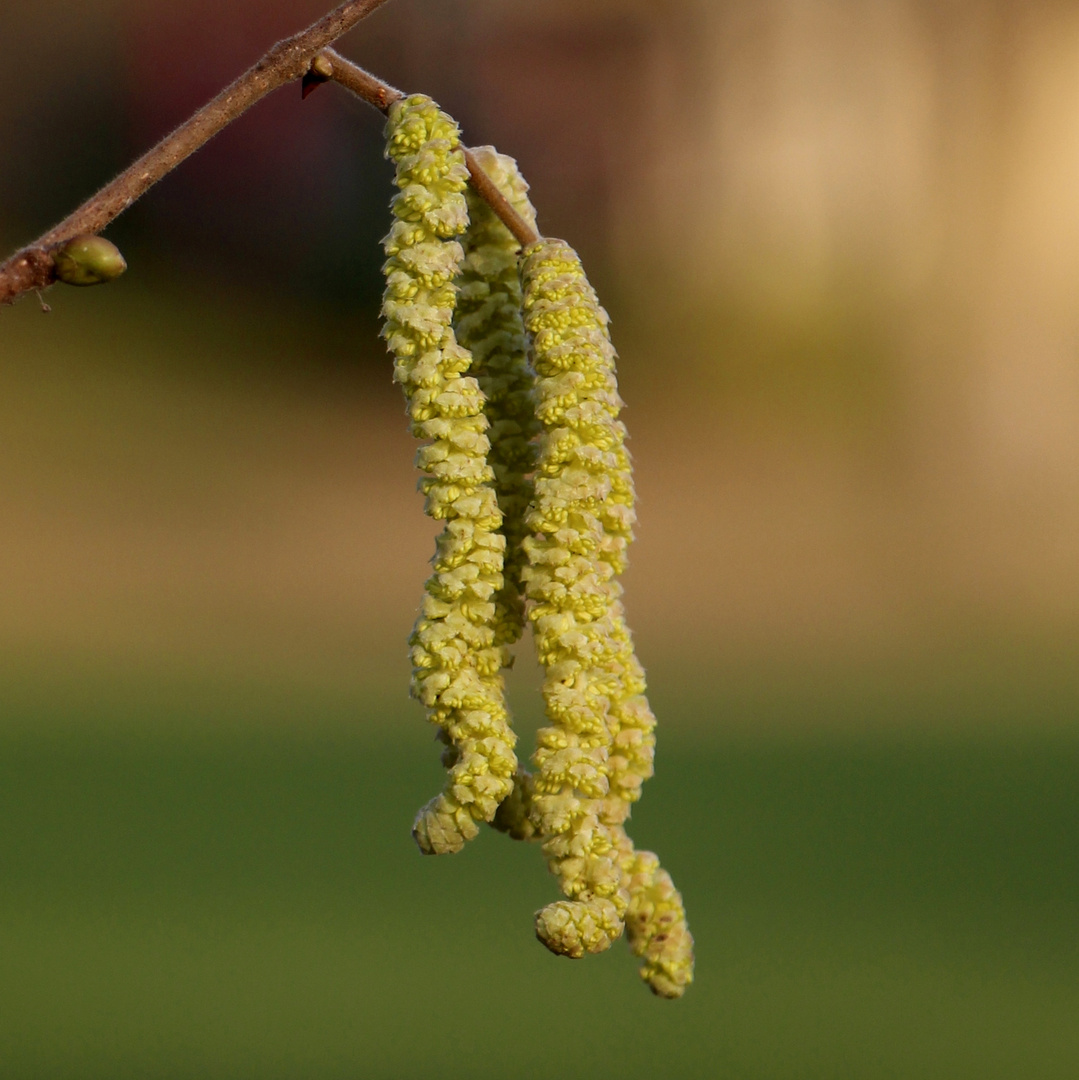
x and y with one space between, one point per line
488 322
572 591
457 656
528 468
593 759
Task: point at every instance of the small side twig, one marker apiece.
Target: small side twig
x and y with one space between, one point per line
331 65
485 187
32 267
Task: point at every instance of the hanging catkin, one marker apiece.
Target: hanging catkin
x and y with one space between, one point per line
593 759
458 649
573 591
560 538
489 324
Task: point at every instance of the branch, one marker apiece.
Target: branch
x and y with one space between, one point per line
33 266
331 65
303 56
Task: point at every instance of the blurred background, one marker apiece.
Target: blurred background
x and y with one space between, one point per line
840 245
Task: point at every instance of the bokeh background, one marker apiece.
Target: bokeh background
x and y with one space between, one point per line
840 245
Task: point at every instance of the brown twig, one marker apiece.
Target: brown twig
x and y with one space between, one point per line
303 56
485 187
32 267
331 65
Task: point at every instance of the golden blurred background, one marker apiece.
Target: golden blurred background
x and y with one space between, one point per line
838 241
840 245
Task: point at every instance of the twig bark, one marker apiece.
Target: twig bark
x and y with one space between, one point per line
331 65
32 267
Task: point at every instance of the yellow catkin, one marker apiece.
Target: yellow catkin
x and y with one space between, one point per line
457 655
572 592
593 759
488 323
656 924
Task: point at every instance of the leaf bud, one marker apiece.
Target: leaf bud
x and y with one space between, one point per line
88 260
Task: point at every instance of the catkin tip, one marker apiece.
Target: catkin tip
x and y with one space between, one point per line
572 928
441 829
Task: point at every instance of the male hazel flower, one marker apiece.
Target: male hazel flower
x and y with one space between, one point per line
572 592
593 759
489 324
457 652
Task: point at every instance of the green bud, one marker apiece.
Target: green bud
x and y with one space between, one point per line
88 260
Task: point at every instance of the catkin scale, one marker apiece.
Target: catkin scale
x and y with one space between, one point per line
457 652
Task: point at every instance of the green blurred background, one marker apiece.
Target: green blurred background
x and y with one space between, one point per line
840 244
